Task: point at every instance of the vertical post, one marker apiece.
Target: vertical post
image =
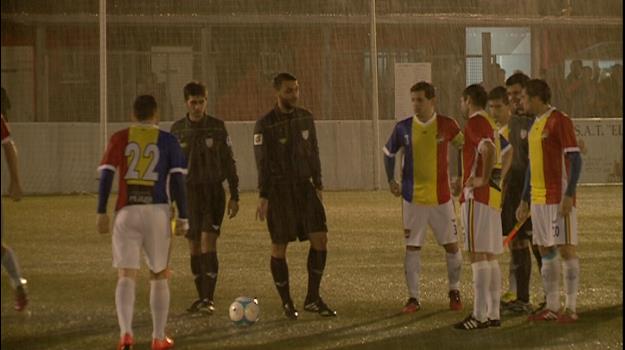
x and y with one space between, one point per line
42 113
374 99
487 72
103 99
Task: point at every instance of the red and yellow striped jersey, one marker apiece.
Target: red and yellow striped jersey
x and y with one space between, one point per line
551 136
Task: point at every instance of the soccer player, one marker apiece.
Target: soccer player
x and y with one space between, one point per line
481 206
147 158
425 188
208 150
9 260
550 183
289 181
517 299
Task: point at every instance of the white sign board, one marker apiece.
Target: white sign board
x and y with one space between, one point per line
406 75
602 149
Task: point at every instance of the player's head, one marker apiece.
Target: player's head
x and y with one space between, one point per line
535 96
144 108
195 97
576 67
514 87
287 89
498 104
422 96
473 97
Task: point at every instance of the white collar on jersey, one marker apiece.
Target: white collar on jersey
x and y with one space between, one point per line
430 121
480 112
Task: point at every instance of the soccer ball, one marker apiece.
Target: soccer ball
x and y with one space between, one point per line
244 311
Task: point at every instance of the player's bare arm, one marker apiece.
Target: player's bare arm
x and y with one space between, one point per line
103 223
261 210
487 150
233 208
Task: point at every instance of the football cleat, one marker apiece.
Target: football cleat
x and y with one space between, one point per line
412 305
567 316
21 299
289 311
516 307
162 344
126 342
454 300
471 323
508 297
320 307
493 323
544 315
207 306
195 306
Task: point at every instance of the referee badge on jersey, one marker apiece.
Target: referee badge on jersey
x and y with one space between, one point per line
209 142
523 134
305 134
258 139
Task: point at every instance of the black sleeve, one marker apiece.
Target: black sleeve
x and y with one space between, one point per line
231 168
262 163
316 162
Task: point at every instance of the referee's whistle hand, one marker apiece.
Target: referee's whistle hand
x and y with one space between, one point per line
522 211
261 211
566 206
102 223
395 188
233 208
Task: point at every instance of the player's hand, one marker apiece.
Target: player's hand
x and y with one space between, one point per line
182 226
233 208
395 188
565 206
102 223
172 211
476 182
15 191
261 211
522 212
456 188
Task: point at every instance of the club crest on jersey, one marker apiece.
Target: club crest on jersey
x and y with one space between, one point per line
305 134
209 142
523 134
258 139
228 141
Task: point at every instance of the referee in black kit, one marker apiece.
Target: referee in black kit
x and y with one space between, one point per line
289 180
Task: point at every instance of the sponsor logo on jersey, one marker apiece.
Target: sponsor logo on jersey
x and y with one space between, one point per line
305 134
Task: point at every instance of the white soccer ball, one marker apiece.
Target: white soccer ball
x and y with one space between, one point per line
244 311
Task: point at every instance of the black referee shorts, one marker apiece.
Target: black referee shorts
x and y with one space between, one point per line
294 212
511 201
206 206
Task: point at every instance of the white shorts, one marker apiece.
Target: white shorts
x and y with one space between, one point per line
552 229
440 218
482 228
142 227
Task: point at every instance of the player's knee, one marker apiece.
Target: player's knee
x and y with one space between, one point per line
278 251
319 241
127 273
567 252
451 248
163 274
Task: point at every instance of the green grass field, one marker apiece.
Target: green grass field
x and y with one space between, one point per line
72 283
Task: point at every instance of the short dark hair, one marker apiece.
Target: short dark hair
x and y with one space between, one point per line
426 87
282 77
499 93
538 88
194 88
517 78
144 107
477 93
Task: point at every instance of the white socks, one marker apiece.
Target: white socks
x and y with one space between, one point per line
125 303
454 264
159 304
550 274
571 282
495 290
412 265
481 288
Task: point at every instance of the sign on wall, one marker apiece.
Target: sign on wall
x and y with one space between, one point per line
601 140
